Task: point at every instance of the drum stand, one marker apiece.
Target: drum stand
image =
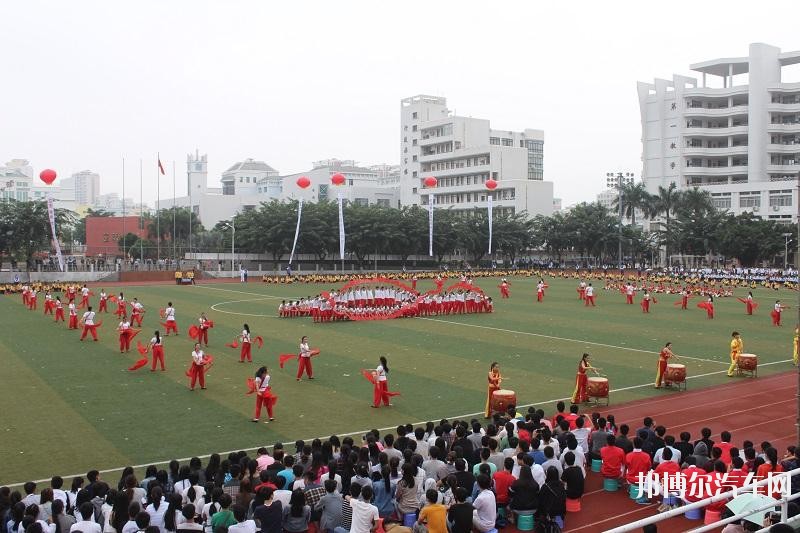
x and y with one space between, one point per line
598 398
675 384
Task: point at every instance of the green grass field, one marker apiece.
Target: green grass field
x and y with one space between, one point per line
71 406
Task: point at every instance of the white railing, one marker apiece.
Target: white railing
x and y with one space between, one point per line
699 505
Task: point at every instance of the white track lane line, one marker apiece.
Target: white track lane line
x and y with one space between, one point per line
363 431
568 340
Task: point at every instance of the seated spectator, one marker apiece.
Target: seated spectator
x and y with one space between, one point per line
573 477
268 512
459 516
524 492
503 480
684 445
613 459
582 434
189 513
725 447
297 515
637 463
365 515
87 524
552 498
701 458
433 514
384 491
551 460
485 513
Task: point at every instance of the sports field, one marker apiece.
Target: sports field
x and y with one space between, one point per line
72 406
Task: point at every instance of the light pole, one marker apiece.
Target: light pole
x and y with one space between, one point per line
786 250
616 180
232 225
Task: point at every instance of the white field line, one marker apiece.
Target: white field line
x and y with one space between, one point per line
569 340
214 307
363 431
265 296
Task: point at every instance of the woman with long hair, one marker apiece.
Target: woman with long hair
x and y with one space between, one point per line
581 380
198 368
119 511
304 360
524 492
157 507
381 387
406 496
297 514
383 491
212 466
552 498
264 396
770 467
173 512
127 471
245 354
62 520
495 379
157 347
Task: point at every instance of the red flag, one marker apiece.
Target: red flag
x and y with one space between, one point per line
138 364
234 344
286 357
141 348
251 385
260 341
161 167
194 331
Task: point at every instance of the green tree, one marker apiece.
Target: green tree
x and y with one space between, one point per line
665 202
633 196
445 233
749 239
25 228
697 222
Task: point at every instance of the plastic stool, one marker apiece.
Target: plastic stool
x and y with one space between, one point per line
694 514
559 521
610 484
573 506
525 521
671 500
633 491
596 464
712 517
409 519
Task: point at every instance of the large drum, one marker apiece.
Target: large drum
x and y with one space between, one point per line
598 388
675 373
501 399
748 362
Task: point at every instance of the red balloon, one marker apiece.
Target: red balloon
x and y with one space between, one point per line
303 182
491 184
48 176
430 181
337 179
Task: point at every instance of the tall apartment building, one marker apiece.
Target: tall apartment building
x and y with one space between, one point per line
87 187
736 134
463 153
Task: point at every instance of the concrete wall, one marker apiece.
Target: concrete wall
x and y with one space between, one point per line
8 277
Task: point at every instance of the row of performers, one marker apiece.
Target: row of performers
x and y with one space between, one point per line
661 288
321 310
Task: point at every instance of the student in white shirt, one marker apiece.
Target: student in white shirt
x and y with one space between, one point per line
89 327
365 515
244 525
87 523
171 324
188 513
156 510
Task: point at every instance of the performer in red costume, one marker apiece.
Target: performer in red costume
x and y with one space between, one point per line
504 285
157 346
245 354
663 359
125 335
381 390
264 396
59 310
304 360
103 302
581 380
205 324
197 372
88 323
73 316
495 379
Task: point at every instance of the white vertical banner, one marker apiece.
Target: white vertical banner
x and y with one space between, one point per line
296 229
430 225
52 215
489 207
341 227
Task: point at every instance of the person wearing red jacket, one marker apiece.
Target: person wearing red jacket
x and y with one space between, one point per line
637 463
613 459
693 484
725 446
503 481
666 473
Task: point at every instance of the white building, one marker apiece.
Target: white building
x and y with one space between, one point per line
113 203
462 153
249 177
87 187
209 204
736 134
372 185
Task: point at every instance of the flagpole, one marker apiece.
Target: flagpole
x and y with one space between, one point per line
158 211
191 207
174 223
124 242
141 211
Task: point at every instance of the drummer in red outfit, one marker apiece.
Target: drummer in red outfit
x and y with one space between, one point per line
494 385
663 359
581 381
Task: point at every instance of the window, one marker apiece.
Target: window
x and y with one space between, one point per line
721 200
414 142
414 115
323 192
780 200
382 202
414 127
494 141
414 190
414 158
362 202
749 199
414 174
508 142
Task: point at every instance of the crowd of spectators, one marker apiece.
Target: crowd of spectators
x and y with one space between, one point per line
453 476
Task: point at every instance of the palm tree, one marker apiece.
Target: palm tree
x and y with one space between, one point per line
633 196
665 202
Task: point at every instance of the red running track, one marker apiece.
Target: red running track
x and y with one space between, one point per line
751 409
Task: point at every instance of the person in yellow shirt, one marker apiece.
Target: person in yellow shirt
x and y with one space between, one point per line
434 514
796 345
737 345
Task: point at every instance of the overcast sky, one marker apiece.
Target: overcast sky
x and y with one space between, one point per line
86 83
